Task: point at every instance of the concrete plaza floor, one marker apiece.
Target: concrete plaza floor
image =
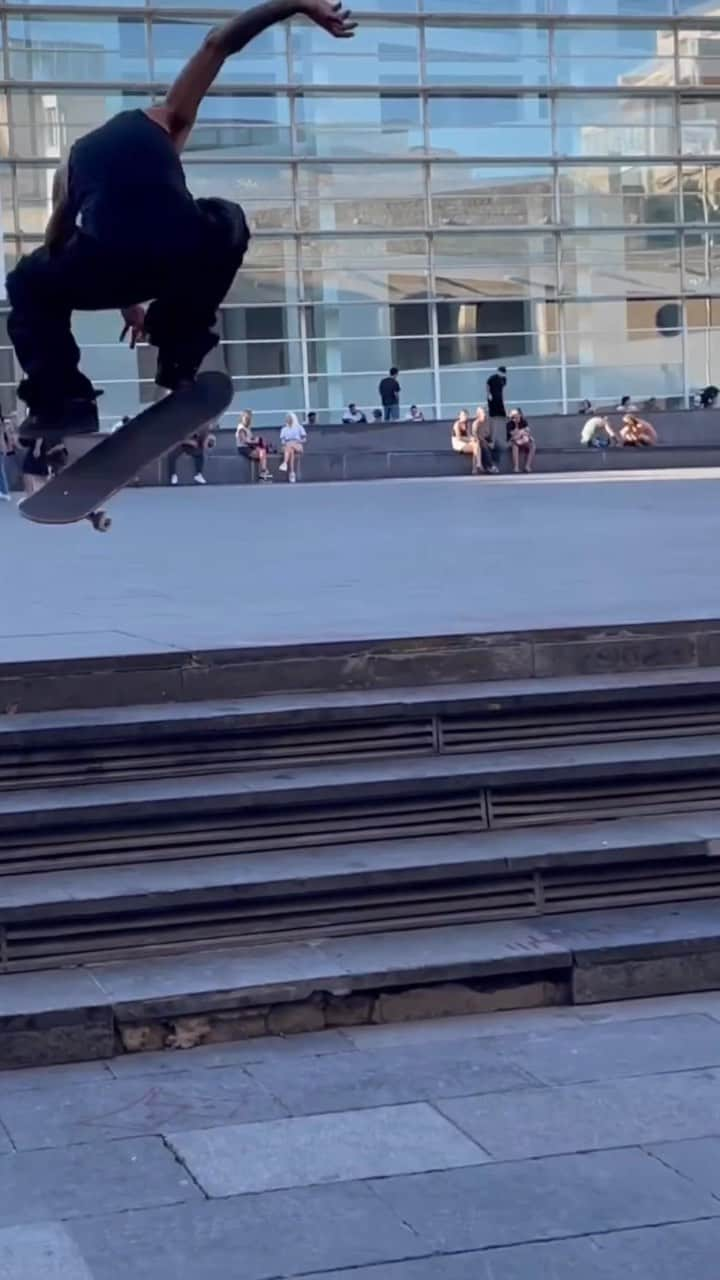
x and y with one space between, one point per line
544 1145
198 568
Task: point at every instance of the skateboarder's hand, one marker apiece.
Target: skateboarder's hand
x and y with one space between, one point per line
134 318
332 17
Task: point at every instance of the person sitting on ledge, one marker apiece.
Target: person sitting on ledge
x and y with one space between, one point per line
353 415
251 446
521 441
415 414
637 433
597 433
463 440
483 430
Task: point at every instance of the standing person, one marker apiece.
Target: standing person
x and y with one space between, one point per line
251 446
292 438
194 446
125 228
389 391
496 385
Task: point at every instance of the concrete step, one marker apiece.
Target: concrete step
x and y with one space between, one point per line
124 744
255 811
150 1003
90 915
134 679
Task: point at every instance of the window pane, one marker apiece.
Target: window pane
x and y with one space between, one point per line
623 56
490 127
367 320
375 55
701 192
508 56
173 42
240 127
352 196
484 196
499 330
613 195
355 269
46 122
520 8
700 125
368 355
77 49
702 261
611 8
268 275
699 57
619 264
358 126
623 332
602 125
536 391
264 191
494 266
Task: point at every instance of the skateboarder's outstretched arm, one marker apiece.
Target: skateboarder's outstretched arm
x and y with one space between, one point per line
178 112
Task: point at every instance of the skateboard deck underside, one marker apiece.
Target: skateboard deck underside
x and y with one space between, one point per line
91 480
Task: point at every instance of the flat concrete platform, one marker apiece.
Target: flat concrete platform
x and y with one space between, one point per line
189 569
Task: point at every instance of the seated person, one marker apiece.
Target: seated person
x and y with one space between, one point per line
353 414
521 442
292 438
378 415
483 430
709 396
636 432
415 414
597 433
251 446
463 440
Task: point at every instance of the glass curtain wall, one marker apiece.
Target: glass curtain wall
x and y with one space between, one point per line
467 183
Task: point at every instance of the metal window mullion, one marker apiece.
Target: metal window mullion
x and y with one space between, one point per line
434 327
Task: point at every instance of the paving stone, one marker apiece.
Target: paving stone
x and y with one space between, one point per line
236 1053
697 1159
619 1113
44 1077
707 1002
102 1177
655 1253
280 1233
44 1250
123 1108
386 1076
341 1147
608 1050
5 1143
542 1199
470 1027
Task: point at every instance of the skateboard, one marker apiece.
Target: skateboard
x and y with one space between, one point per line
77 492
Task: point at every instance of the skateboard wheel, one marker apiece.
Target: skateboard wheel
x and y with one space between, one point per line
100 521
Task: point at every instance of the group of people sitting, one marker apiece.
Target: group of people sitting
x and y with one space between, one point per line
476 437
634 432
293 437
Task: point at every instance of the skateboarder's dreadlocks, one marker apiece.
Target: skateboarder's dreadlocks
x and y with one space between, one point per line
125 229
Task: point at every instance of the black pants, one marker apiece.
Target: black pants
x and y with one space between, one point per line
192 451
186 285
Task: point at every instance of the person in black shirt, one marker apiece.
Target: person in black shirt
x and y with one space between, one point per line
389 391
496 385
125 228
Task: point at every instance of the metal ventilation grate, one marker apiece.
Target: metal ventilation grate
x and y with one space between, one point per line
248 830
528 806
236 918
152 754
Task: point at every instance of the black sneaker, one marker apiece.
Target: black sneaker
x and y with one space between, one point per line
77 417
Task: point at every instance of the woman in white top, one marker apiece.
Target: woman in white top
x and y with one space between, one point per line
292 438
251 446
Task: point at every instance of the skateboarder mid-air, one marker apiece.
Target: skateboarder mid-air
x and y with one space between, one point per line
125 229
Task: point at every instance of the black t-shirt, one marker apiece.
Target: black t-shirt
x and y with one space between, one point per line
496 384
127 184
389 391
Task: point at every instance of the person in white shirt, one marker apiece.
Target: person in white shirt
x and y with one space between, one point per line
415 414
597 433
292 438
353 414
